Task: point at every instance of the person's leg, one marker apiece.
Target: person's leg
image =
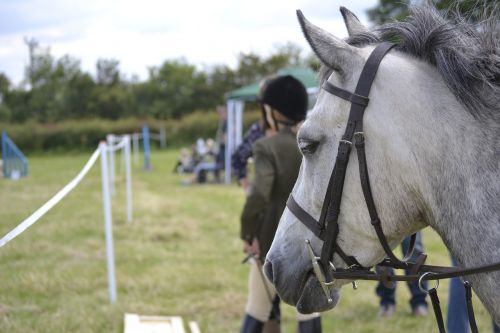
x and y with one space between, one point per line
201 171
258 305
417 301
387 294
457 320
310 323
251 325
496 328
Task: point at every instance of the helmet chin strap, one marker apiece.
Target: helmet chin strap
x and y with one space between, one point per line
275 123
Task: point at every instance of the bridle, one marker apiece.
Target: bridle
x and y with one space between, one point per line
327 228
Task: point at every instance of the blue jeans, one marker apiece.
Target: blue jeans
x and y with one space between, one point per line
388 294
457 320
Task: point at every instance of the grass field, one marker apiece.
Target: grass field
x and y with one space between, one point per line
180 256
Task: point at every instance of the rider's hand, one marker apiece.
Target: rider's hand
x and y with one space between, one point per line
244 183
252 248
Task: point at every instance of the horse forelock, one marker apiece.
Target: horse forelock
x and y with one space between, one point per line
467 55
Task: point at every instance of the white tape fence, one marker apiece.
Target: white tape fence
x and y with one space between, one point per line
104 150
51 203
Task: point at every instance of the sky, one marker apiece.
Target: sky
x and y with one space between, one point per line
145 33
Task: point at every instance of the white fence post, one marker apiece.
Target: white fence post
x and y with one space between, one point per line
108 222
111 140
239 105
128 175
123 158
229 139
163 138
135 147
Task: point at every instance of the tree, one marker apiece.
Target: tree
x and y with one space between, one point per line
111 102
78 96
57 88
252 67
173 89
4 86
5 112
390 10
107 72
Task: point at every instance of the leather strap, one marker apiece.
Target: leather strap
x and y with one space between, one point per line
372 210
370 203
316 228
354 122
418 263
304 217
411 248
437 309
344 94
470 309
439 272
363 88
334 200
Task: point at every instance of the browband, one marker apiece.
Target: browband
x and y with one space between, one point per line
344 94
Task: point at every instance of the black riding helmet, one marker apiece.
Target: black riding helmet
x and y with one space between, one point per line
287 95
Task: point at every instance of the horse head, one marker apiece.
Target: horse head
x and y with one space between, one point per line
411 106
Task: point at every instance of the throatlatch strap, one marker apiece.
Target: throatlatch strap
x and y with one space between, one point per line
411 247
470 309
437 309
370 203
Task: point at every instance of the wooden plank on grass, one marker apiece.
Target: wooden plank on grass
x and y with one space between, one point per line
135 323
193 327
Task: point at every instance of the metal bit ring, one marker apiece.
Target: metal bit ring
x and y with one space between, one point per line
420 279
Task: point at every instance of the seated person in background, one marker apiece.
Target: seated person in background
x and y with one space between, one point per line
185 163
207 162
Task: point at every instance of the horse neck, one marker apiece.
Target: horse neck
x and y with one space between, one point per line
460 185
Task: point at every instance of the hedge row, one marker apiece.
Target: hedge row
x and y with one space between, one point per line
86 134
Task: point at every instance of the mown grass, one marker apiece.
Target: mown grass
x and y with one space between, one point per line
180 256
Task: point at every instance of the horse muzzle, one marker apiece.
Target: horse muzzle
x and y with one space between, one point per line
302 287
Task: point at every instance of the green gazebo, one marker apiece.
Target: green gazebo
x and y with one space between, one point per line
250 92
236 99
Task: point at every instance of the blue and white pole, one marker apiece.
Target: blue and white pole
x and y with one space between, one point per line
147 153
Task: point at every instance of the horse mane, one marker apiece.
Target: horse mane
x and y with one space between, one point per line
466 54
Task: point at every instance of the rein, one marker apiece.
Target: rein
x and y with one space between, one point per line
327 228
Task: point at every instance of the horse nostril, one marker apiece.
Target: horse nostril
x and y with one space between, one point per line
268 270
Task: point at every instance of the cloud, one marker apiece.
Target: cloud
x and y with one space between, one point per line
144 33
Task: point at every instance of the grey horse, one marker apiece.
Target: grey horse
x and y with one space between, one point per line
432 144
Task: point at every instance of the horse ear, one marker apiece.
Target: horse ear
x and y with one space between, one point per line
331 51
352 22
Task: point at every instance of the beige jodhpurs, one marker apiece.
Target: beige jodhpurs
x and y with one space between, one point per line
259 302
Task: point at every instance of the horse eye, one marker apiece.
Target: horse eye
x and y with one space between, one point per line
308 147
